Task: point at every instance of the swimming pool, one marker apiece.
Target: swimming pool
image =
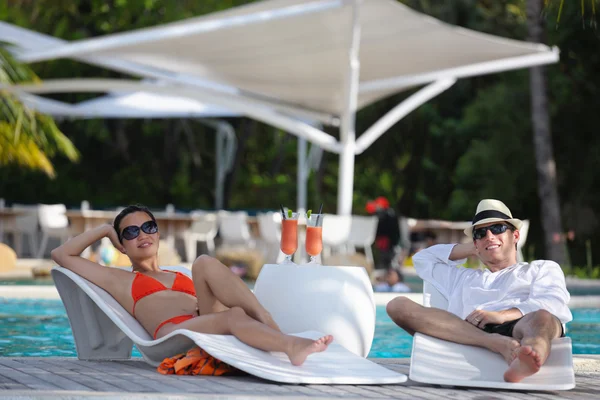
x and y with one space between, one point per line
40 328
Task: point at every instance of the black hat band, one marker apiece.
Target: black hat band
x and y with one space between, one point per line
489 214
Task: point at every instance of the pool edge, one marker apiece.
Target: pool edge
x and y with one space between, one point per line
381 299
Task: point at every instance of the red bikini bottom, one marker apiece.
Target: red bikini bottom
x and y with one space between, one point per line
175 320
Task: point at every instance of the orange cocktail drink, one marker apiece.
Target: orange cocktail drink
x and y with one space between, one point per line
314 235
289 236
314 240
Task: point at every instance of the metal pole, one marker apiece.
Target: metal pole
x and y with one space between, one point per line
220 170
302 175
348 133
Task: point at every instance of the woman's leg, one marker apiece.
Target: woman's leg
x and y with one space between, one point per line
217 289
256 334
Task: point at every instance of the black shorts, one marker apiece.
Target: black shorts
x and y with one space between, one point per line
506 329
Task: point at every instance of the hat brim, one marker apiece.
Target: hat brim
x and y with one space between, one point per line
517 223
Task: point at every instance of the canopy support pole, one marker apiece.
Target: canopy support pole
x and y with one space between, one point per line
348 129
306 163
303 171
220 170
225 147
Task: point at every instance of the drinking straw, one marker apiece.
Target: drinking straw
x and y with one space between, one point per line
319 214
282 212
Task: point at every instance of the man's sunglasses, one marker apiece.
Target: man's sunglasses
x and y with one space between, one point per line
131 232
496 229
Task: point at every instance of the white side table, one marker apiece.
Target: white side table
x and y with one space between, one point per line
332 300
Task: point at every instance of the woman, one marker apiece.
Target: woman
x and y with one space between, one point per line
214 301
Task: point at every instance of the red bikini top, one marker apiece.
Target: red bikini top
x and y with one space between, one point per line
144 285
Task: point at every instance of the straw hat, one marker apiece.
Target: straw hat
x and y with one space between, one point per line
490 210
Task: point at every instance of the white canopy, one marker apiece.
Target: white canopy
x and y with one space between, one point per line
149 105
296 51
128 105
282 60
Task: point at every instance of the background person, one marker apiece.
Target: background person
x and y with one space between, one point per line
393 282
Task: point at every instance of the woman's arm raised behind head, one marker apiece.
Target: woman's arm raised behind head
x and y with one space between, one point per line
68 255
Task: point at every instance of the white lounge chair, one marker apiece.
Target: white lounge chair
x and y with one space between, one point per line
53 223
363 231
26 224
437 361
336 231
203 229
269 228
524 230
103 330
234 229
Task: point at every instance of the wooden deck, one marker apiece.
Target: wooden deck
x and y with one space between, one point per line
56 378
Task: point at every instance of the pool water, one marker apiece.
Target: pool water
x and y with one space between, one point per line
40 328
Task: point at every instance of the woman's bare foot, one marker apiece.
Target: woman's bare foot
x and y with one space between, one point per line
527 363
302 348
505 346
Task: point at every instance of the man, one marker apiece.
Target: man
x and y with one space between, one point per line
514 309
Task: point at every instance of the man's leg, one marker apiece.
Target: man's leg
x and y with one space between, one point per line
535 331
441 324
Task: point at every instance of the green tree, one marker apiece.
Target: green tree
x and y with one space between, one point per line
542 138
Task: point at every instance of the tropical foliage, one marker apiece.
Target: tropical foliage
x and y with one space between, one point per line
27 139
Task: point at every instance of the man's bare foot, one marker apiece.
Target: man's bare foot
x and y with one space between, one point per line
505 346
302 348
527 363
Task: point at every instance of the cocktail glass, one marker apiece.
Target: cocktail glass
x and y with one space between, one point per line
314 236
289 237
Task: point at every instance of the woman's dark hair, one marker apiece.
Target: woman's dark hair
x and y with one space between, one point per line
129 210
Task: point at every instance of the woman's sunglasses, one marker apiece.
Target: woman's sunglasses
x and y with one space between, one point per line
131 232
496 229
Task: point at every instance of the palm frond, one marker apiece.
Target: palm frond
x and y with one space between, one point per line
23 152
547 4
27 138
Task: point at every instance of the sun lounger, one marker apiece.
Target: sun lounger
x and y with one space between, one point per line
436 361
104 330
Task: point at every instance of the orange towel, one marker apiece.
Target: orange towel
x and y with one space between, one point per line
195 362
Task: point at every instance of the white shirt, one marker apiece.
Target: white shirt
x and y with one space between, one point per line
527 287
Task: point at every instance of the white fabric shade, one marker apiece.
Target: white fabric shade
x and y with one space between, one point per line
128 105
284 50
47 106
149 105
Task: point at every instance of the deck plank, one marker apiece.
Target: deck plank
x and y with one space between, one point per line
22 378
58 377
